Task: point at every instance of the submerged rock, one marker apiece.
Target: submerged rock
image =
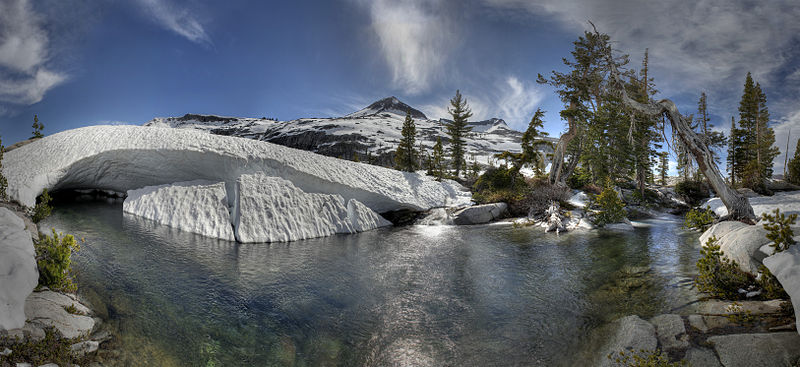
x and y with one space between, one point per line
701 357
632 334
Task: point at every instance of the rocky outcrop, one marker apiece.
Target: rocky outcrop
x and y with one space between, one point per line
632 334
49 309
671 332
18 274
739 242
786 267
480 214
766 349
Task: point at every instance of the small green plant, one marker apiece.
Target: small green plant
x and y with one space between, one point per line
43 208
737 314
54 258
612 209
51 349
719 276
699 219
37 127
71 309
780 230
771 288
643 358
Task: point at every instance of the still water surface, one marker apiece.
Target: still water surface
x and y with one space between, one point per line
419 295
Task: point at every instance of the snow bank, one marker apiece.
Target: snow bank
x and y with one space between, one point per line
271 209
18 274
787 202
123 158
197 206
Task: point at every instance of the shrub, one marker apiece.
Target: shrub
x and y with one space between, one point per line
612 209
52 349
719 276
500 185
692 191
780 230
53 257
540 195
699 219
771 288
643 358
579 178
43 208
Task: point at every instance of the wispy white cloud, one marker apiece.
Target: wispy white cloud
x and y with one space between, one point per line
510 99
177 19
414 38
24 54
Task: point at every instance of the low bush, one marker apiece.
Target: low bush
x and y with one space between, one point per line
719 276
780 230
51 349
501 184
612 209
771 288
43 208
692 191
54 259
579 178
699 219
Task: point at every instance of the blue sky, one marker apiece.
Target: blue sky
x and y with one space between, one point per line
78 63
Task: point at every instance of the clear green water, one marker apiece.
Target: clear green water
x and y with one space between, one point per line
423 296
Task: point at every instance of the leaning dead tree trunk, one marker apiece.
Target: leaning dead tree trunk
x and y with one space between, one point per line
557 174
738 206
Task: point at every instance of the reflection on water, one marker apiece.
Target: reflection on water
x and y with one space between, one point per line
422 295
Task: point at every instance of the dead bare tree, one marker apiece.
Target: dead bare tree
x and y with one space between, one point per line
738 206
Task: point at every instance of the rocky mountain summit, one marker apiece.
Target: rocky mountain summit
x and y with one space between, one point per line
368 135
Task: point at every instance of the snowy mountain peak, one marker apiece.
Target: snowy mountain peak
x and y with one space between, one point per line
390 105
484 126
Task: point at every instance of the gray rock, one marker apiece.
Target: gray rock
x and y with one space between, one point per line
47 309
748 193
23 365
745 350
715 322
740 243
780 185
85 347
671 332
480 214
632 333
49 365
717 307
6 352
696 321
786 267
18 274
625 225
701 357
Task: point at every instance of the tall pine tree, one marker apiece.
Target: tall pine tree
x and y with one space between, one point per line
663 167
755 151
437 167
794 166
457 130
406 156
531 139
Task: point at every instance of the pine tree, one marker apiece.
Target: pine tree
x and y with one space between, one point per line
3 181
406 156
712 139
794 166
37 127
437 167
755 151
531 139
663 167
458 130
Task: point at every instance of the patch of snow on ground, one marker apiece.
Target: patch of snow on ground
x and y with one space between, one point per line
787 202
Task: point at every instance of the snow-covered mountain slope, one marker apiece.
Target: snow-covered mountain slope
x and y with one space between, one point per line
123 158
371 134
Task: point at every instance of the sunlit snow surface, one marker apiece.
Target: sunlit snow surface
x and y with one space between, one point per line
123 158
787 202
